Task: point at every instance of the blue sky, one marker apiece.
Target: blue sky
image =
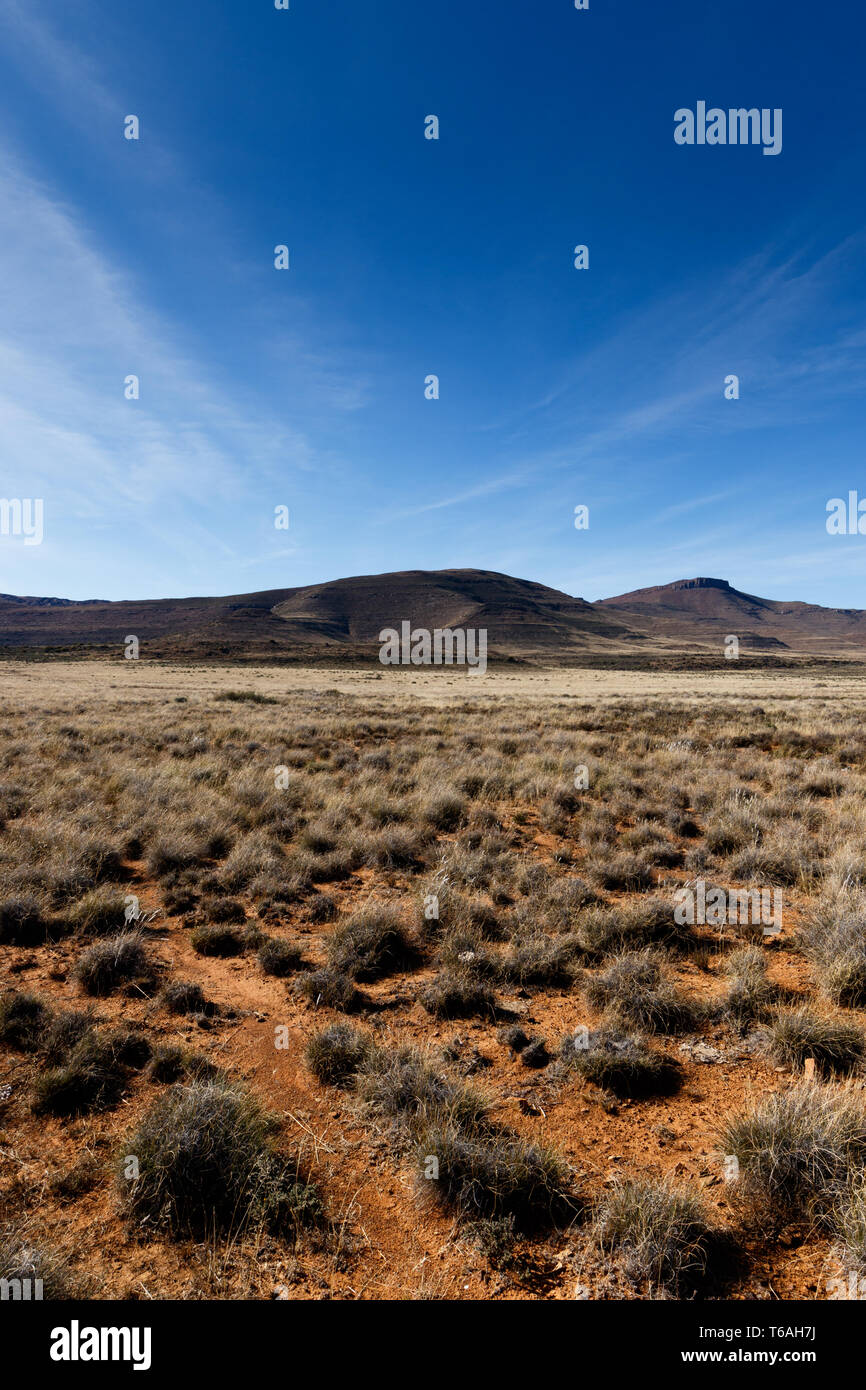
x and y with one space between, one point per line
305 388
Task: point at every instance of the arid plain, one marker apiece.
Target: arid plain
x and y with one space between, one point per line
351 983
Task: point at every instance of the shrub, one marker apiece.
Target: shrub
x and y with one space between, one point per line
168 856
322 908
463 949
458 912
535 1054
393 847
371 943
63 1032
319 838
633 990
118 960
457 992
661 1234
278 957
490 1174
834 938
333 989
337 1053
624 872
207 1164
22 922
514 1038
217 941
566 897
21 1260
249 697
843 979
185 997
795 1034
798 1149
94 1077
170 1063
605 931
726 836
179 900
81 1178
23 1021
97 913
129 1046
750 994
540 960
223 910
445 810
622 1064
850 1222
404 1087
494 1238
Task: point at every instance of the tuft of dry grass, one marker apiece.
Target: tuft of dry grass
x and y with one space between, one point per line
794 1035
661 1234
617 1062
798 1150
372 942
117 962
205 1162
635 994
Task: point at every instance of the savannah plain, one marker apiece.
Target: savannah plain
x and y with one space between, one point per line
294 964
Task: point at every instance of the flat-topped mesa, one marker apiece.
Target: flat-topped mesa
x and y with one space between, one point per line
697 584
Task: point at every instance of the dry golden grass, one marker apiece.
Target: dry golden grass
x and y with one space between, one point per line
446 856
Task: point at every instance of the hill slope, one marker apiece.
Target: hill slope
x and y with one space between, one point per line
707 610
343 616
341 620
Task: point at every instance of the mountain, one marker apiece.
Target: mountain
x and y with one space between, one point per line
341 621
706 611
341 618
517 613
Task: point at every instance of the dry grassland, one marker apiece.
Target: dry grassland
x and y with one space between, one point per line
371 985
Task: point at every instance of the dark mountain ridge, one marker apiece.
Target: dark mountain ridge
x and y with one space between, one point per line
523 619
